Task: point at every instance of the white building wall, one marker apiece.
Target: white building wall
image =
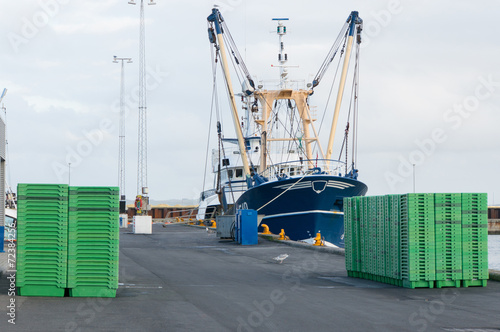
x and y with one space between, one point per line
2 171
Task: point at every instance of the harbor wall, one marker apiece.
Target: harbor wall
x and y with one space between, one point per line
493 226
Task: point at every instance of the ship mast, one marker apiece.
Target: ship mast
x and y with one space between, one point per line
268 97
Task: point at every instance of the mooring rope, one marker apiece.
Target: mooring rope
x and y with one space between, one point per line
306 173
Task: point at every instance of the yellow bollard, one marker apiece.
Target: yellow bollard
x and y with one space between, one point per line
282 235
317 240
266 229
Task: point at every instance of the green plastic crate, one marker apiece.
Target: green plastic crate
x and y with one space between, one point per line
88 291
41 290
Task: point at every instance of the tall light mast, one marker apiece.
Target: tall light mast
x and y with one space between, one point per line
121 135
142 200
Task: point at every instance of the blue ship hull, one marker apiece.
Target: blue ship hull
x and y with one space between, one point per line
303 206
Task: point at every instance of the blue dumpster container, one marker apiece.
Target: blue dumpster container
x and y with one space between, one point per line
246 227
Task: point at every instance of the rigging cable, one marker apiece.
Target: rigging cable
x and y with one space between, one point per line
352 105
284 191
215 97
214 93
344 143
236 54
235 62
222 145
274 109
333 84
355 115
292 110
331 54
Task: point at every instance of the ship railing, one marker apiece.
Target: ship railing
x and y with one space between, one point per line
210 216
208 219
181 216
189 216
231 150
303 167
276 84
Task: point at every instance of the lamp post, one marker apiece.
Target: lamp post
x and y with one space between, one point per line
121 135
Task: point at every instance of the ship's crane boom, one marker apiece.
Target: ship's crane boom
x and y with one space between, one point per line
353 22
353 25
216 23
3 94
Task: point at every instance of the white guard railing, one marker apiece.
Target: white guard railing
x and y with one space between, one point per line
302 167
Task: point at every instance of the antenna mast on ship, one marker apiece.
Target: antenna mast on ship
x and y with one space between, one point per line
282 56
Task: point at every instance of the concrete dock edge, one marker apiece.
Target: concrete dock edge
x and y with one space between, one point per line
275 238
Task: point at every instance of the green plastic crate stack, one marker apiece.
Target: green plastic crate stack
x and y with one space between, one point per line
368 245
381 255
448 225
474 239
93 241
418 267
418 240
387 236
372 226
355 228
395 238
42 232
363 236
354 211
350 261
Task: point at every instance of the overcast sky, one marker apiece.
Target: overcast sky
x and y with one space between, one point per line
429 94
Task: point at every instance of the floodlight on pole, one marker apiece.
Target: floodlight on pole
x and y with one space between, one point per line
142 160
121 135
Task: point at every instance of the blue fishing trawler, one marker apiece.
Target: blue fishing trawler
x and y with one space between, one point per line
276 164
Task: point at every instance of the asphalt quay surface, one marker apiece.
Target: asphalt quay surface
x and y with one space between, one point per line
182 278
